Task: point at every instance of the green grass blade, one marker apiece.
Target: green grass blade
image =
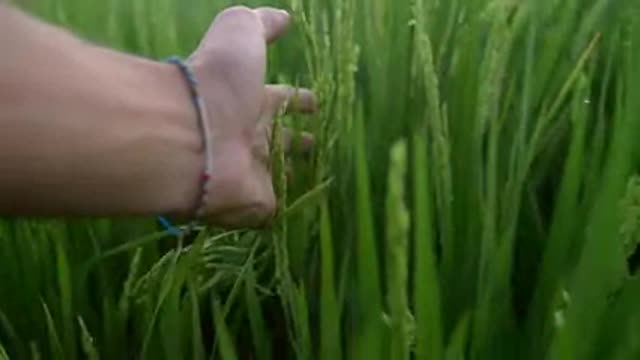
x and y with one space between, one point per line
429 339
602 265
8 329
259 333
168 283
369 295
88 344
617 338
197 345
309 199
66 295
35 353
457 348
54 340
3 353
330 326
225 341
562 237
130 245
301 323
127 289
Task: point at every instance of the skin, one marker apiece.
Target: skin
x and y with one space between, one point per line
90 131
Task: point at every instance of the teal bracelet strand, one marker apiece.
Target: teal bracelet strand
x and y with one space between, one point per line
192 83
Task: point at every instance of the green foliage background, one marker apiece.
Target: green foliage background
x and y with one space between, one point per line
472 196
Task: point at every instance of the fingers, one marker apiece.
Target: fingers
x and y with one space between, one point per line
275 22
287 99
302 142
239 22
284 98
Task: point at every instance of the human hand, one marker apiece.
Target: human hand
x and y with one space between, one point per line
230 64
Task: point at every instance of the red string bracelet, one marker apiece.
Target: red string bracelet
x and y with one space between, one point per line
203 124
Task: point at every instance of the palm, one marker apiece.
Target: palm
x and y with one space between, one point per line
231 65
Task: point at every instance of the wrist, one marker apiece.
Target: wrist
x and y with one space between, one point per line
183 130
165 135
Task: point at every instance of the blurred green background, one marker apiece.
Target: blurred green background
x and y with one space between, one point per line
473 195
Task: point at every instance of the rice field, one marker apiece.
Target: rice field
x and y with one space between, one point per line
473 194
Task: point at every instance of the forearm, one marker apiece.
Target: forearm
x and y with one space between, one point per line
88 131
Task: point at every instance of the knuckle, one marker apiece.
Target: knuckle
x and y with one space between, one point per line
279 95
264 203
269 207
260 214
265 206
268 215
261 204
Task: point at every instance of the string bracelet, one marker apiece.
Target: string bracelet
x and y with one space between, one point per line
203 125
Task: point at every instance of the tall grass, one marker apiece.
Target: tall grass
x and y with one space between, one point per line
473 195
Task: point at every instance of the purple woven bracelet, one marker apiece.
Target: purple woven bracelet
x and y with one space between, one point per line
203 124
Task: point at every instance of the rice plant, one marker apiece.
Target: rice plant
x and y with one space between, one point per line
473 194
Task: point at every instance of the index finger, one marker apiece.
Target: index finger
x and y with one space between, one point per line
239 21
275 22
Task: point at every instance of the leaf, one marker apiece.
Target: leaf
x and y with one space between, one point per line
259 333
310 198
88 344
330 326
130 245
225 341
370 329
3 353
301 323
65 290
35 353
457 347
196 332
54 340
426 282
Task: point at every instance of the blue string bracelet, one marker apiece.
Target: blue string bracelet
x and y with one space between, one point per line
203 125
171 229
